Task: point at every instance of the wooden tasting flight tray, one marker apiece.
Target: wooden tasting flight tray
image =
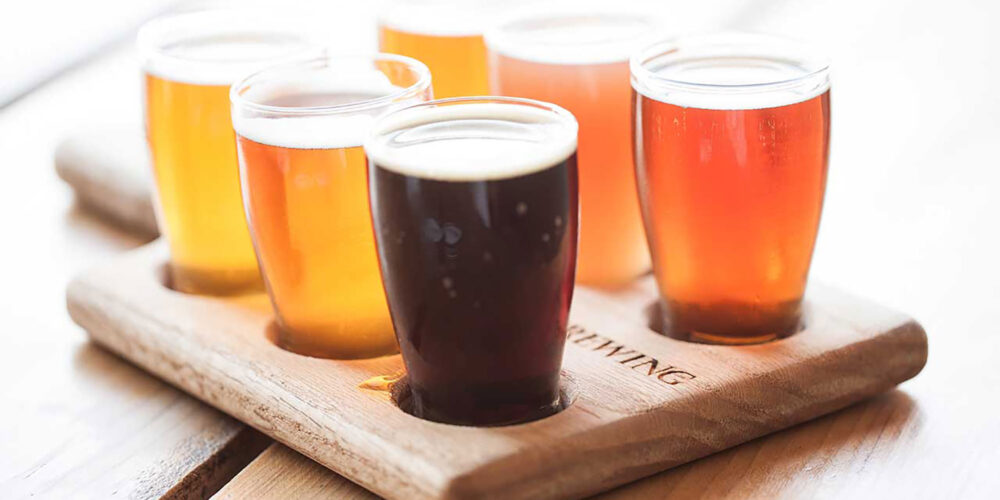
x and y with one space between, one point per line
641 402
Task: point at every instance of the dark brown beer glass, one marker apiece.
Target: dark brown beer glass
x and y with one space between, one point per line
731 141
474 207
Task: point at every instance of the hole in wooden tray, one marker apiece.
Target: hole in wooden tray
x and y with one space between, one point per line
781 328
304 345
212 284
568 392
164 277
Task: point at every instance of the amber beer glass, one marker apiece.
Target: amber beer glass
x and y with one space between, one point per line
580 62
447 35
474 203
299 131
731 135
190 60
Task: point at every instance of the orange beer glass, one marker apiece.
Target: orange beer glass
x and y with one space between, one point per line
732 135
190 60
580 62
299 132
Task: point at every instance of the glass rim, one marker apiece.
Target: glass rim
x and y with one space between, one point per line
562 113
152 33
558 127
504 38
397 15
816 66
324 59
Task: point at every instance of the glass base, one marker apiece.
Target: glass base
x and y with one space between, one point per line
214 282
320 345
727 323
487 405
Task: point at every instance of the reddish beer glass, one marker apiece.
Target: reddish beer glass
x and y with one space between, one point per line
731 142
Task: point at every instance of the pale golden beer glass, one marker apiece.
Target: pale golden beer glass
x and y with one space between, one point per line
300 129
189 61
446 35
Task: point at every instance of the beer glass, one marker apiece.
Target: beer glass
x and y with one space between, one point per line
474 203
299 131
731 139
447 35
190 60
580 62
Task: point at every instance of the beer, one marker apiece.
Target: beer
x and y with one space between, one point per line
732 135
580 62
190 61
445 35
299 132
474 203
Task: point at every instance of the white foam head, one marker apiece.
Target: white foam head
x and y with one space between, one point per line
730 71
442 17
314 131
473 139
326 102
560 36
310 132
219 47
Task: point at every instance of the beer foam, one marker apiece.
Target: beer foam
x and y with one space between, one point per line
564 38
216 47
310 132
421 23
443 18
472 141
736 72
317 125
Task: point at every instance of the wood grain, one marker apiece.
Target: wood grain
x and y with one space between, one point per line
792 463
281 472
76 420
631 416
108 170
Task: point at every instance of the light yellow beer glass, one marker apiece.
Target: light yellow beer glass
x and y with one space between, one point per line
189 61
